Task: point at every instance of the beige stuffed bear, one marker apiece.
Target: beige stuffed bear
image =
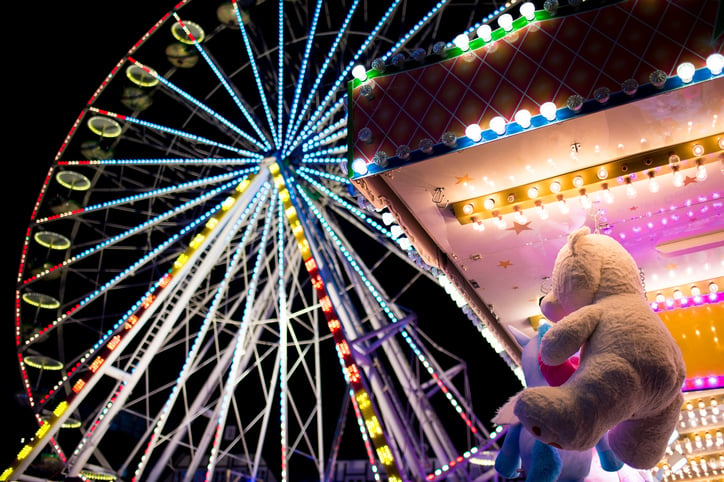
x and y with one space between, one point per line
631 370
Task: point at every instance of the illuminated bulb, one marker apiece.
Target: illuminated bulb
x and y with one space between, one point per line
500 222
653 183
519 216
522 117
715 63
701 173
462 41
468 208
698 150
713 287
485 33
695 291
548 110
562 205
359 72
528 11
478 226
607 196
578 181
396 230
674 158
677 294
602 172
660 298
555 187
678 177
685 71
474 132
489 204
541 210
359 166
630 189
506 22
388 218
533 192
585 200
497 124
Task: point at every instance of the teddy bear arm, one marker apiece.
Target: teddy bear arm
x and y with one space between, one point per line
567 336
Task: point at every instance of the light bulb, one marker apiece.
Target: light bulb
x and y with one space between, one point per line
630 189
715 63
713 287
359 166
697 150
686 71
473 132
541 210
497 124
468 208
548 110
678 177
359 72
520 217
396 230
555 187
653 183
578 181
533 192
701 173
522 117
695 291
478 226
388 218
562 206
462 41
528 11
607 196
485 33
500 222
602 172
506 22
489 204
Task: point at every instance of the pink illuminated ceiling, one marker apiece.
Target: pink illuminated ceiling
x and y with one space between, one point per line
675 234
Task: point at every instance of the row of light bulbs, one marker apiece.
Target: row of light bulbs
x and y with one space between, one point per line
678 298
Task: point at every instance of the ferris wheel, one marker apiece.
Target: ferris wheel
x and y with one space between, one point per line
202 292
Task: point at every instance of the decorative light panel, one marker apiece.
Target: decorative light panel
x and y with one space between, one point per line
629 170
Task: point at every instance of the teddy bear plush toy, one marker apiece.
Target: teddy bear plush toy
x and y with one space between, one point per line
631 370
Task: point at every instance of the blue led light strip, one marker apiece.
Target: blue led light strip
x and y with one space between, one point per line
324 174
200 104
283 321
255 70
415 29
280 74
151 194
128 271
225 83
303 71
306 132
176 132
329 134
313 91
321 160
209 161
232 374
343 75
218 297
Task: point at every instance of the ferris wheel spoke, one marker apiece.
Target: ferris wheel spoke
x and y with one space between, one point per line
302 72
323 68
309 129
176 132
415 29
255 69
186 97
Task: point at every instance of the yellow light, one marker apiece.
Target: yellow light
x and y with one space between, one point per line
181 260
373 427
385 455
43 429
198 239
211 223
228 202
24 452
363 400
62 407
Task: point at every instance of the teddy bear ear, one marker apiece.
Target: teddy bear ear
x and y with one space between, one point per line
519 336
576 235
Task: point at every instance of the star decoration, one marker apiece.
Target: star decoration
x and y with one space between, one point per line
504 263
463 180
633 208
517 227
689 180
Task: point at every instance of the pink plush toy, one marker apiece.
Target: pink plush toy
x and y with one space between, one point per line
631 370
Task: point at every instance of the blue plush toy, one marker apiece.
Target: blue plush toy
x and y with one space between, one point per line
542 462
